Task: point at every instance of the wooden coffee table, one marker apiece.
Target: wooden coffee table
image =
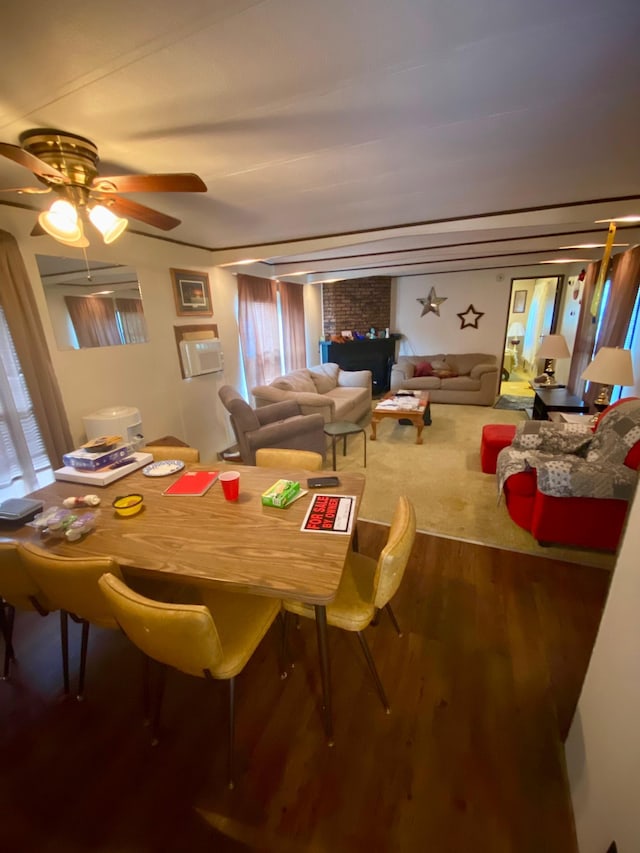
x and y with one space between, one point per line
418 417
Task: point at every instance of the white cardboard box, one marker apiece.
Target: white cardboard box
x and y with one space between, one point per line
102 478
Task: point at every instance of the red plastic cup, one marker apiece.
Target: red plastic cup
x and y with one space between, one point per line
230 484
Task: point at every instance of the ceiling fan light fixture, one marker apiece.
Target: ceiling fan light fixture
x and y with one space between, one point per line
80 242
61 221
107 223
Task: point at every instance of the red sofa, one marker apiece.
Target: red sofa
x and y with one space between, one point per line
583 522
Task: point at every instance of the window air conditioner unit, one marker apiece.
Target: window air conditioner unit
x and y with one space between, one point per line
200 357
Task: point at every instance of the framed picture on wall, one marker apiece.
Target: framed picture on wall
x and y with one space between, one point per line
519 301
191 293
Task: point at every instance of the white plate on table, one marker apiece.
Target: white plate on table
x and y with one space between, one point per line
163 467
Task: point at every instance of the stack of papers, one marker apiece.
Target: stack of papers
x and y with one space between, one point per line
406 404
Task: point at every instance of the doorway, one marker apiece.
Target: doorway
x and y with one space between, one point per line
533 313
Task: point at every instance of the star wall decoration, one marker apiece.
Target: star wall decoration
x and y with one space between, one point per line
431 303
470 317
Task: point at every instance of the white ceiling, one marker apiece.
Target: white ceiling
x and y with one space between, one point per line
346 137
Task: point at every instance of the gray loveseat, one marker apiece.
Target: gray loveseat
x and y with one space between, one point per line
470 378
338 395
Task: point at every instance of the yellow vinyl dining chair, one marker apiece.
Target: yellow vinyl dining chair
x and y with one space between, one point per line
214 640
17 592
71 586
281 457
367 586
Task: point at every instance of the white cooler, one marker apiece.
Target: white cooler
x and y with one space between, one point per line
116 420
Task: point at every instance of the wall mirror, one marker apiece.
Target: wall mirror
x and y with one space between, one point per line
91 303
533 312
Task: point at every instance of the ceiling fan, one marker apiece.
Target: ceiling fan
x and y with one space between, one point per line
67 165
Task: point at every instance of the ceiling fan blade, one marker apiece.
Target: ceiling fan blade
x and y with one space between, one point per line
34 164
25 190
126 207
37 230
170 183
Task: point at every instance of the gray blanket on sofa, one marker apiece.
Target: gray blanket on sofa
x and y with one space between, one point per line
572 461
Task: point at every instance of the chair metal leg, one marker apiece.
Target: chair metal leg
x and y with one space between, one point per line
285 657
146 689
373 671
157 703
393 618
325 669
354 538
84 643
64 640
232 720
7 614
376 618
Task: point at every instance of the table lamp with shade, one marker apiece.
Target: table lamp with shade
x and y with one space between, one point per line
515 333
610 366
551 348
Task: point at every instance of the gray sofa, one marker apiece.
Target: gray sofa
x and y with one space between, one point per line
336 394
469 378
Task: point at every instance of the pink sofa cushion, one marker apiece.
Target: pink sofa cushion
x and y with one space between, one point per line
424 368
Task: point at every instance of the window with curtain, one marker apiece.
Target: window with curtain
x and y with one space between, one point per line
632 342
24 464
610 327
94 320
271 324
131 322
99 321
34 360
292 318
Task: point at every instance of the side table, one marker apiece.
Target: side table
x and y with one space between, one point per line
337 429
556 400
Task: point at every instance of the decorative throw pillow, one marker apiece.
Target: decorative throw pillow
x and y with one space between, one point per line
325 377
423 369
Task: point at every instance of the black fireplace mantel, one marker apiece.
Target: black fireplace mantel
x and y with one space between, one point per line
376 355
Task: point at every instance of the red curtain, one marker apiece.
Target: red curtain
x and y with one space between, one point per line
94 320
258 327
624 277
134 327
292 306
585 334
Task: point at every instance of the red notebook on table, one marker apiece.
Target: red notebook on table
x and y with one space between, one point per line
192 483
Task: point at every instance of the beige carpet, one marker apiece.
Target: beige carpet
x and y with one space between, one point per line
442 477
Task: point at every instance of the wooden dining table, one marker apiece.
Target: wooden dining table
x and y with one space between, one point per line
208 540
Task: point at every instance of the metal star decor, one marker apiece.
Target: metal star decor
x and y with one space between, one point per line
470 317
431 303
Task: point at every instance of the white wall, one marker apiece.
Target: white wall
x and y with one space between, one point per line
603 747
487 291
147 375
313 321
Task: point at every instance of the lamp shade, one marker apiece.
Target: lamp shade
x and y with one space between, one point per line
553 346
107 223
516 330
611 366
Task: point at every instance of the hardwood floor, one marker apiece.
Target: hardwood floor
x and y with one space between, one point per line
482 688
